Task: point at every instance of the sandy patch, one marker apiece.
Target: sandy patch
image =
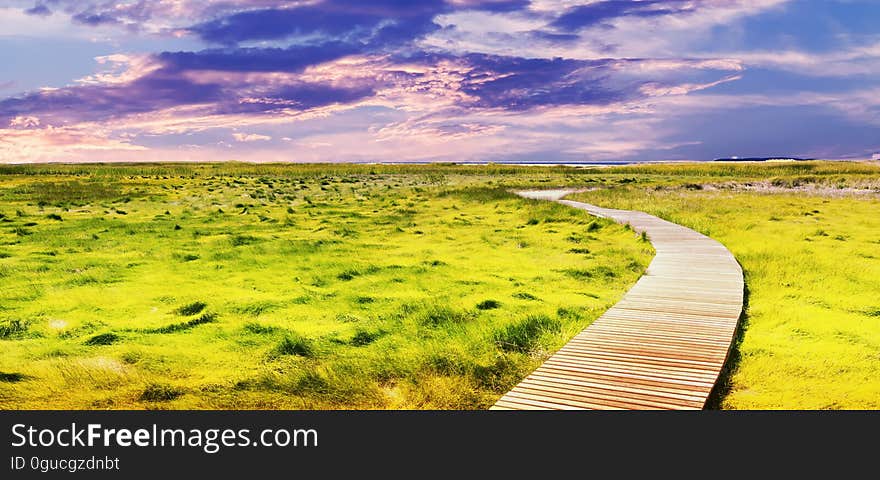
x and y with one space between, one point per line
809 189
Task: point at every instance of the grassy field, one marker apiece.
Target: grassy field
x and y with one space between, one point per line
808 238
266 286
366 286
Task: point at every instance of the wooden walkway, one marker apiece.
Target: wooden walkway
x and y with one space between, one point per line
662 346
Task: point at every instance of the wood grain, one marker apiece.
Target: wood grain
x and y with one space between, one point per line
662 346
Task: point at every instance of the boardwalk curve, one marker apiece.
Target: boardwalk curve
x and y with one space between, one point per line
662 346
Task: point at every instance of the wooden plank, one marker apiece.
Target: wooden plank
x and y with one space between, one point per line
662 346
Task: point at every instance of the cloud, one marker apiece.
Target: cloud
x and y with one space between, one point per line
363 22
444 97
271 80
588 15
660 90
433 80
290 59
95 19
39 10
58 143
572 29
250 137
859 59
24 121
230 22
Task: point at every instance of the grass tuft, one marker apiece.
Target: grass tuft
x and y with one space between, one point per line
488 305
363 337
160 392
440 315
524 335
525 296
179 327
241 240
102 339
191 309
294 345
13 328
12 377
259 329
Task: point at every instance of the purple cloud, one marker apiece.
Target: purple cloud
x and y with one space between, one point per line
39 10
587 15
95 19
362 22
299 96
375 23
291 59
522 83
104 102
198 78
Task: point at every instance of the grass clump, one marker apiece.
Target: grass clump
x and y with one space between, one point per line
160 392
525 296
294 345
255 309
349 274
241 240
259 329
102 339
523 336
363 337
601 271
190 309
13 377
488 305
179 327
13 328
441 315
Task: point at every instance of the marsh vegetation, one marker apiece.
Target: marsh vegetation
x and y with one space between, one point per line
248 286
367 286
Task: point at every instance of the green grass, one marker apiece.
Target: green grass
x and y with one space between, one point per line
263 286
811 257
292 286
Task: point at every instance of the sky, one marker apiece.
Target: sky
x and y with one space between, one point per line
437 80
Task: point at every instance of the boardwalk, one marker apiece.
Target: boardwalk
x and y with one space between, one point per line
662 346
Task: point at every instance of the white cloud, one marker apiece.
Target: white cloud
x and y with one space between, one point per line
844 62
659 36
250 137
